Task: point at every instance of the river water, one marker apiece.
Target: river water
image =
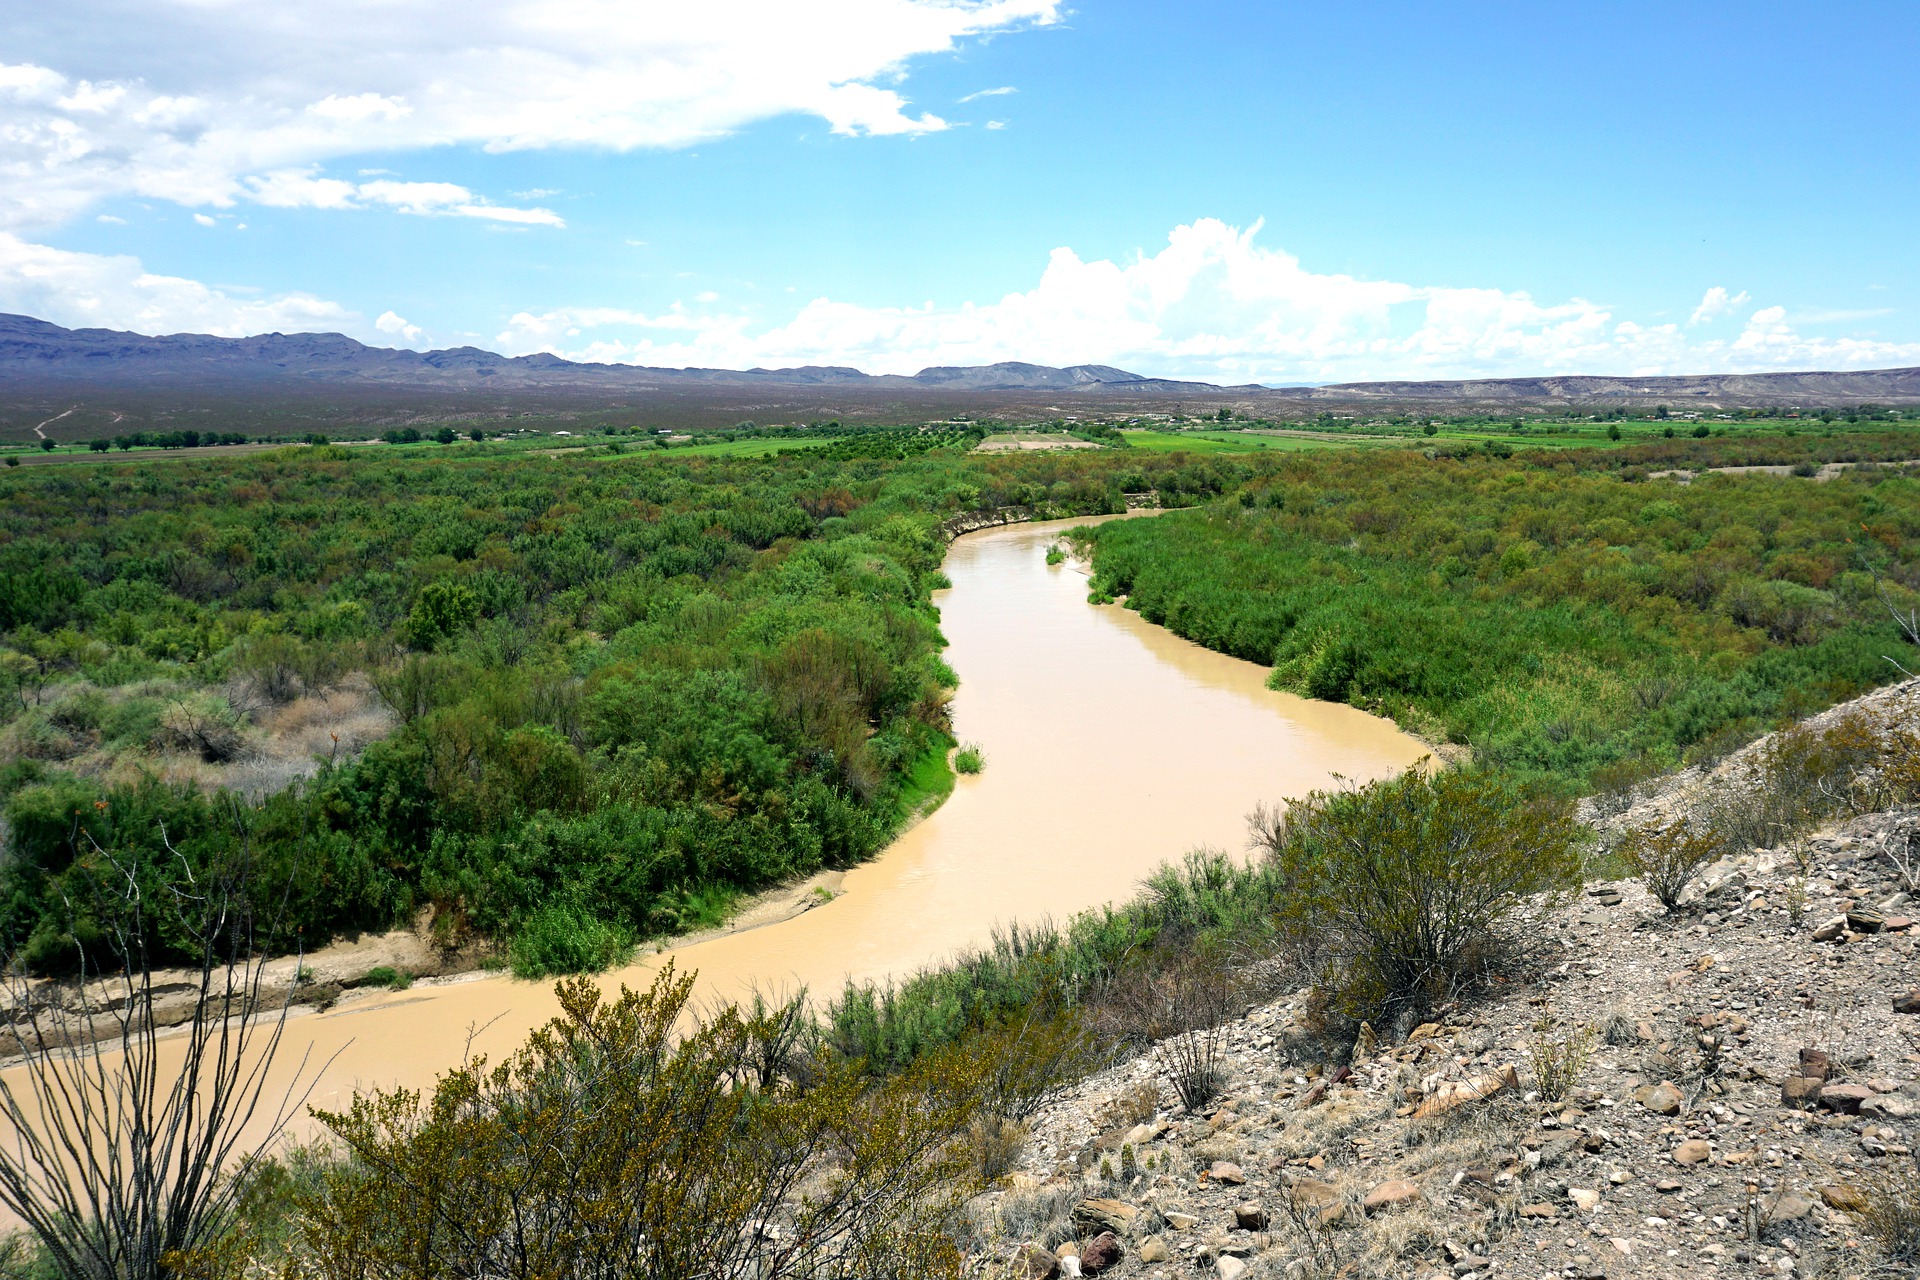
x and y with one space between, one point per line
1111 746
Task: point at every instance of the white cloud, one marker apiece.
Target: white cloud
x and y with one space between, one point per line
1211 305
90 290
1715 303
111 221
201 101
397 325
996 124
301 188
445 198
1002 91
204 220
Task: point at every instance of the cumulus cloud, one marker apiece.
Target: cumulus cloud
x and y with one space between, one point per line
1715 303
202 102
397 325
113 291
1212 304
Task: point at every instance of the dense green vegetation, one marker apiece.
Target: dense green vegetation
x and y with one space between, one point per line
614 691
1543 608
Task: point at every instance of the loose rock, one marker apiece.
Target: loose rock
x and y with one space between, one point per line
1094 1216
1032 1262
1844 1098
1391 1194
1100 1253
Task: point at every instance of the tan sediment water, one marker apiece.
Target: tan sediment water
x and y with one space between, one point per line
1111 746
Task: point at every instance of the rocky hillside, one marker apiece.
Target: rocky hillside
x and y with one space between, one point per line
1730 1089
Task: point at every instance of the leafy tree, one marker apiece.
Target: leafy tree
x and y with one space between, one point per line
441 610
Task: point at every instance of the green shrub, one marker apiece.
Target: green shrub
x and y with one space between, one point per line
1402 894
970 759
1667 857
560 938
386 976
624 1133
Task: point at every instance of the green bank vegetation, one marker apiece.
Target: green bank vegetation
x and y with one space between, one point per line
1562 617
562 704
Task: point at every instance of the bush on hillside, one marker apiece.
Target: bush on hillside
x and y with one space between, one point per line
1668 856
1401 895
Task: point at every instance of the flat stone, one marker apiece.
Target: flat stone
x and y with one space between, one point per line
1227 1173
1862 921
1693 1151
1100 1253
1229 1267
1899 924
1844 1098
1667 1186
1584 1199
1152 1249
1790 1207
1830 930
1662 1099
1250 1217
1390 1195
1889 1106
1538 1211
1182 1221
1323 1198
1844 1196
1908 1003
1094 1216
1449 1094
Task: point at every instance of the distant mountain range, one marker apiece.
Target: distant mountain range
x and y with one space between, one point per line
35 351
37 355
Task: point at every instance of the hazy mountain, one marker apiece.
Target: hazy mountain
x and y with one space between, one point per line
36 355
38 352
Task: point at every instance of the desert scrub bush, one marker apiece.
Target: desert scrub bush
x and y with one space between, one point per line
1886 1207
1559 1055
1666 857
1180 1009
969 759
387 976
1400 895
624 1131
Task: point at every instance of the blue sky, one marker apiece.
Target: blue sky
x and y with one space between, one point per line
1238 192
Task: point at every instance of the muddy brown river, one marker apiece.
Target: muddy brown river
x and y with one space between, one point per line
1111 746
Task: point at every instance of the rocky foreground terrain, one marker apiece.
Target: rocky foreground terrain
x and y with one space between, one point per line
1744 1087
